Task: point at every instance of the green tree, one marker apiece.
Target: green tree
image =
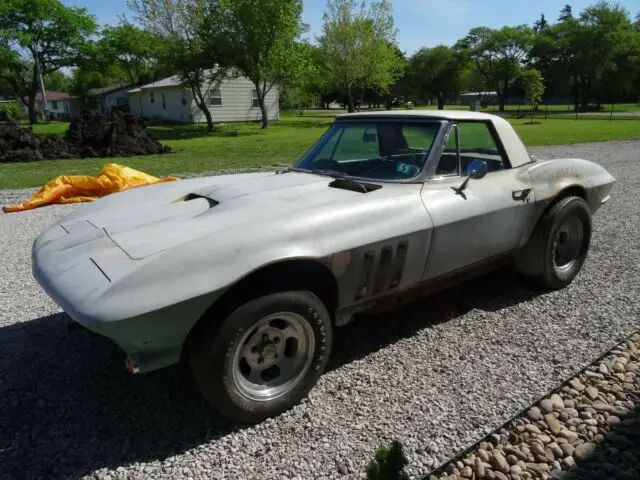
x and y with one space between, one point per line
135 52
438 72
299 92
540 24
38 37
596 51
259 41
566 13
498 55
180 25
533 88
57 82
359 47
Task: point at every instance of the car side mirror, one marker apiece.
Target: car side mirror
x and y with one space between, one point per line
477 169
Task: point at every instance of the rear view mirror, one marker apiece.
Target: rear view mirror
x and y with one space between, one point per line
369 137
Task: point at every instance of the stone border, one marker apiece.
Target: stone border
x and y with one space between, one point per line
588 421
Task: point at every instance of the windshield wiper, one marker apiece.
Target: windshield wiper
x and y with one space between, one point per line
340 176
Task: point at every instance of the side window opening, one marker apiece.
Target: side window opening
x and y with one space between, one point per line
449 161
475 141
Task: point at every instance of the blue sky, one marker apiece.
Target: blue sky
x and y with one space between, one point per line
419 22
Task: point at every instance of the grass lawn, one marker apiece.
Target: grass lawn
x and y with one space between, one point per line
246 145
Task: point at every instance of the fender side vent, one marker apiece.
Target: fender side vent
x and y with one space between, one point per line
381 271
362 288
383 274
398 265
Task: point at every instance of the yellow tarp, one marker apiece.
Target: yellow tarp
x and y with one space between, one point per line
85 188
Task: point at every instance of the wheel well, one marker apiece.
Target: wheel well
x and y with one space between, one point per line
573 190
310 275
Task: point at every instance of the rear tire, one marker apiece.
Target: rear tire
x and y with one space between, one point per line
558 247
265 357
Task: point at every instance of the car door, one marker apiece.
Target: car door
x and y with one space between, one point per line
485 219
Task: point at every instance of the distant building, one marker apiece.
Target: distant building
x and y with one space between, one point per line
58 104
486 97
105 100
229 100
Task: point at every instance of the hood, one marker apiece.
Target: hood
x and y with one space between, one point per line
151 219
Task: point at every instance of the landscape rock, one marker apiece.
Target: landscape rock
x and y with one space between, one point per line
588 430
499 462
553 423
584 451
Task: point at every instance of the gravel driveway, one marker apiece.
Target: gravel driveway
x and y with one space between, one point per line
437 375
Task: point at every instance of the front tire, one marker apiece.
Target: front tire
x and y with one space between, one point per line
558 247
265 357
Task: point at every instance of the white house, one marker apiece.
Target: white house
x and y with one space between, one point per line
228 100
58 103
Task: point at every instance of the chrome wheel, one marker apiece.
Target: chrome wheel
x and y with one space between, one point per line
567 245
273 356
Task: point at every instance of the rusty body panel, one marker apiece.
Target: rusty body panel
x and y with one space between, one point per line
142 267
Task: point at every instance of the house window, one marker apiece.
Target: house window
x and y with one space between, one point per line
183 99
164 102
215 96
255 102
151 99
54 105
121 101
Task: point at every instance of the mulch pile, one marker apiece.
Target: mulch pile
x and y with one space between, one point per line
120 135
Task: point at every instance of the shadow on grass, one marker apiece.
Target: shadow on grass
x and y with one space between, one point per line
304 122
181 131
69 408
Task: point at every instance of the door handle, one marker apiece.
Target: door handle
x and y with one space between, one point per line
520 195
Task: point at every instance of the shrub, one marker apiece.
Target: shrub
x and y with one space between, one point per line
388 463
9 111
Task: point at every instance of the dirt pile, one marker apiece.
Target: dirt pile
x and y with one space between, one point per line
117 135
19 144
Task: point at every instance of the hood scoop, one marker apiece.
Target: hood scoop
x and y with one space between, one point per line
346 183
195 196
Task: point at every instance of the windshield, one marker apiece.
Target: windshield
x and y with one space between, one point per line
379 150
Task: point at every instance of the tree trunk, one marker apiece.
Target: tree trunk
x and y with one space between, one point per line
31 107
263 110
33 112
440 102
350 98
202 105
207 115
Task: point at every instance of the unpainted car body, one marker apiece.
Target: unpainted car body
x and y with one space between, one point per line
146 266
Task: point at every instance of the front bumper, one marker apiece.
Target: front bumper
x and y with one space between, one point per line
78 271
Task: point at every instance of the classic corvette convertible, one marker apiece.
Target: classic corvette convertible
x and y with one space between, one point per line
244 277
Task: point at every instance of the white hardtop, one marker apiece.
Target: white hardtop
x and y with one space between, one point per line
511 142
443 114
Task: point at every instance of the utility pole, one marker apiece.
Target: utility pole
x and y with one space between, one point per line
42 91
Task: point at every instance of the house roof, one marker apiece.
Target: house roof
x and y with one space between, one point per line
168 82
108 89
53 96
